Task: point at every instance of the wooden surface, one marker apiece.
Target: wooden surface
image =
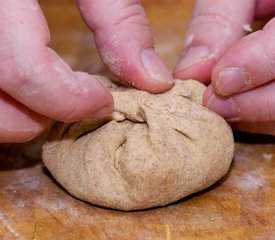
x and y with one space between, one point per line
34 206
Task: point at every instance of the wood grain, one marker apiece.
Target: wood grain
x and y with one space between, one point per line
240 206
34 206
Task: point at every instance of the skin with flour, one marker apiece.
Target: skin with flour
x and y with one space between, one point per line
37 85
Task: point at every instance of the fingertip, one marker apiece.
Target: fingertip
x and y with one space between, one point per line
18 123
31 126
140 68
199 71
17 136
193 55
148 72
226 107
159 78
154 87
93 101
213 29
231 80
196 63
102 112
124 40
246 65
208 94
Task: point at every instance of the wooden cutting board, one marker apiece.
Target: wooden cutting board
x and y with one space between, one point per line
34 206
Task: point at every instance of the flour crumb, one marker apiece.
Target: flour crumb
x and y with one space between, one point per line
189 39
267 156
247 27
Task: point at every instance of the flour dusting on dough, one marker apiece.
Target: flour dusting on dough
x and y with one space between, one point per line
154 150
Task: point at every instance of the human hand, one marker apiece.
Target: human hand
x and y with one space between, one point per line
241 68
37 85
124 40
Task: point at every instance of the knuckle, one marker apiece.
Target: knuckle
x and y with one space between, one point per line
206 18
131 13
119 13
22 84
13 70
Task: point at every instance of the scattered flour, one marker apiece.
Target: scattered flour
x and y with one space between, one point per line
250 180
247 27
189 39
267 156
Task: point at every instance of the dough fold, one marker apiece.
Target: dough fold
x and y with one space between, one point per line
153 150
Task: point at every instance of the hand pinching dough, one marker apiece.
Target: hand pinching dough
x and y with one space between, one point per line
154 150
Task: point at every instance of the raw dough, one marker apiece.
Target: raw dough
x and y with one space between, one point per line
154 150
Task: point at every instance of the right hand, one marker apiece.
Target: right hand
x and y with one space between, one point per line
239 68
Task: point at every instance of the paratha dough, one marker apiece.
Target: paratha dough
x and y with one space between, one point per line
154 150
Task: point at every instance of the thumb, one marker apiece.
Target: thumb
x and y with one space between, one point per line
124 41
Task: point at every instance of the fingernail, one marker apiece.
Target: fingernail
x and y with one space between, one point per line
232 80
193 56
154 65
225 107
102 112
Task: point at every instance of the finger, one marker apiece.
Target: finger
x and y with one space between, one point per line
257 105
18 123
265 8
124 40
215 26
248 64
33 74
267 128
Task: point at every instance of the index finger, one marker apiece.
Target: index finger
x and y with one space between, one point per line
36 76
214 28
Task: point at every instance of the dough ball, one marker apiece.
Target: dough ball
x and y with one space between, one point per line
153 150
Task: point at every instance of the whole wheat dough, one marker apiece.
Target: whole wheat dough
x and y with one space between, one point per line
154 150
